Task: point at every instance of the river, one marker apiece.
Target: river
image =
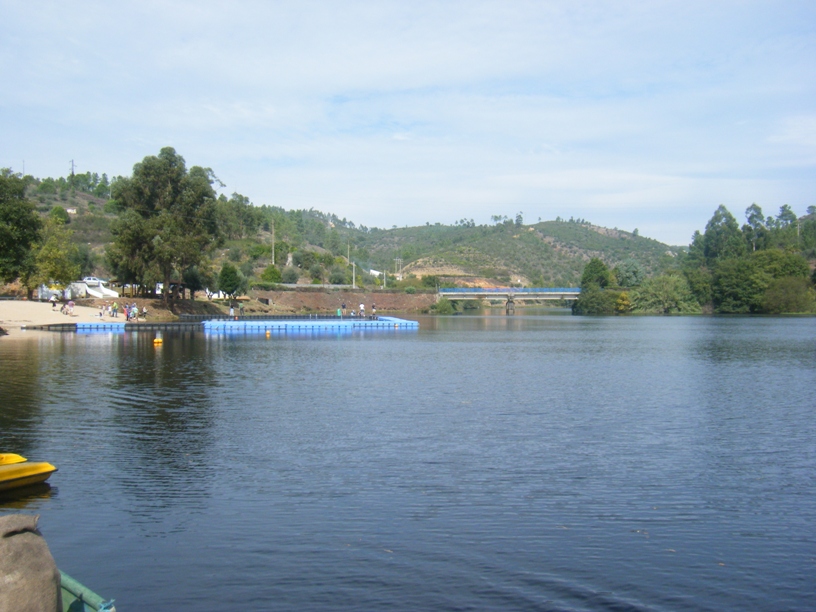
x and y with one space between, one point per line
533 462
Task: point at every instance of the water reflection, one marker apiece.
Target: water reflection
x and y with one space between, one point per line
26 498
21 394
162 411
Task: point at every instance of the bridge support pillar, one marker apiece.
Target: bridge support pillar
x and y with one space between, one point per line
509 306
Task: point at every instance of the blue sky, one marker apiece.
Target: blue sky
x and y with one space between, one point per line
640 115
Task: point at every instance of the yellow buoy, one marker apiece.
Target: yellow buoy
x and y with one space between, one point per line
157 340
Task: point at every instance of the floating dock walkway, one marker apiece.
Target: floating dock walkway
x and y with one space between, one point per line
246 324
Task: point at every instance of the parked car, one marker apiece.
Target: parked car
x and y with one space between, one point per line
93 281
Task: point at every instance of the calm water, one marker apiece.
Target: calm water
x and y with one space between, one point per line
525 463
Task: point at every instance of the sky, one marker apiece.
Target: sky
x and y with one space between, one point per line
642 115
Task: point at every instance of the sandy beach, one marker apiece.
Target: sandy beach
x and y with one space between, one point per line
15 314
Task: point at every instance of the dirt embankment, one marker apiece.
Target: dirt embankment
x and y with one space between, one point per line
329 301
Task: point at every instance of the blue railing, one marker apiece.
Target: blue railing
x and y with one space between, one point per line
506 290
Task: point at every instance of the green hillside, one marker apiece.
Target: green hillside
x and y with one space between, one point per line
549 253
321 245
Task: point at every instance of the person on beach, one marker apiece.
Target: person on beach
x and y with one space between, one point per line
344 309
115 309
362 310
53 300
144 312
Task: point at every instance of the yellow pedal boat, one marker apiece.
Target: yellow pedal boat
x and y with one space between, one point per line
7 458
15 471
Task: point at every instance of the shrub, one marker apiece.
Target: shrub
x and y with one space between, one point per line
443 307
595 301
290 275
59 213
410 290
337 276
271 274
262 286
790 294
256 251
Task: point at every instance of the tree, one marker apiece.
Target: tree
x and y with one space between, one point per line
596 273
230 280
738 286
699 281
667 294
629 273
755 231
780 264
84 258
176 211
19 226
198 278
55 258
595 301
722 238
789 295
130 255
786 216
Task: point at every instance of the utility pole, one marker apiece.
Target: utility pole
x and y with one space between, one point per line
273 243
353 275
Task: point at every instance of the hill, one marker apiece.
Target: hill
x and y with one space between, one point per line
549 253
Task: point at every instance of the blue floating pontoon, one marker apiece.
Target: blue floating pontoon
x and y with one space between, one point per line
248 325
308 325
87 328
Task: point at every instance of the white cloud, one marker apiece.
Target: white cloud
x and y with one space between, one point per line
401 113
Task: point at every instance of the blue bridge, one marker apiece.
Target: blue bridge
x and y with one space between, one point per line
511 294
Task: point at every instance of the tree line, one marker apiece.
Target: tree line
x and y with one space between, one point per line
761 267
165 223
33 250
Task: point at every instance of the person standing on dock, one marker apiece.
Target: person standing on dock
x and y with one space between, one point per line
362 310
344 309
